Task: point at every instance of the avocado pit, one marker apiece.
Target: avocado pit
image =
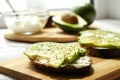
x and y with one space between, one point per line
69 18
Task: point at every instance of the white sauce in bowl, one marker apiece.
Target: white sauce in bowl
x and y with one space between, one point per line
23 24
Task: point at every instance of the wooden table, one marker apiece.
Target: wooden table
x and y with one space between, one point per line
10 50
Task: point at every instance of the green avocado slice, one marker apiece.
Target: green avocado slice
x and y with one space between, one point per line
72 52
99 38
68 27
47 53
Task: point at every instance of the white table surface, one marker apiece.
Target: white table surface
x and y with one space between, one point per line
10 50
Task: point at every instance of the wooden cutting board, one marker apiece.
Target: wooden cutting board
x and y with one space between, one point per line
48 34
102 69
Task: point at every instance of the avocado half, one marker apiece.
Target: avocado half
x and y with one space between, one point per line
68 27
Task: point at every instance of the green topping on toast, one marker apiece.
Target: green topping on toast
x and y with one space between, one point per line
72 52
99 38
54 54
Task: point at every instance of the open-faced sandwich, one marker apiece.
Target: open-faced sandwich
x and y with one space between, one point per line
101 43
59 58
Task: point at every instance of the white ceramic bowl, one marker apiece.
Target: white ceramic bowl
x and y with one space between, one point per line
26 22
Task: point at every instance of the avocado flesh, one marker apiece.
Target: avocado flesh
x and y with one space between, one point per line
46 53
53 54
72 52
99 38
68 27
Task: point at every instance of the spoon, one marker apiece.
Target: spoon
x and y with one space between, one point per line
8 2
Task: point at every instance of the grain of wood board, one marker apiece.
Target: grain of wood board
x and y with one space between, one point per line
47 34
102 69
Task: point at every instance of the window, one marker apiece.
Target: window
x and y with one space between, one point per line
37 4
54 5
17 4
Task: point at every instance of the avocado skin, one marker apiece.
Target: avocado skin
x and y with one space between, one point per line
86 11
69 29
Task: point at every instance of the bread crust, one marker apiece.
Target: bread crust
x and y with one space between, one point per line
67 69
104 52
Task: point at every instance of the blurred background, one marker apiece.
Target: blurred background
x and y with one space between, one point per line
51 5
107 11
